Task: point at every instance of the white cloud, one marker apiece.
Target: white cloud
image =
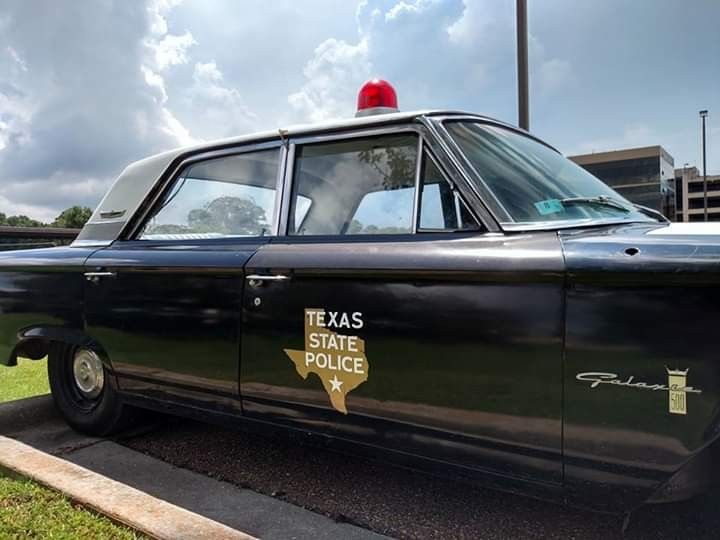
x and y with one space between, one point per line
333 76
87 88
386 33
219 110
172 50
547 75
436 53
79 99
19 62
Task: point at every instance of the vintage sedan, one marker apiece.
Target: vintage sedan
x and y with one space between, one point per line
437 288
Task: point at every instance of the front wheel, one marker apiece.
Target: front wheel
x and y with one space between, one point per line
82 391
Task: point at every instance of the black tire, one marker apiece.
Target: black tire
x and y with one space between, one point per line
99 415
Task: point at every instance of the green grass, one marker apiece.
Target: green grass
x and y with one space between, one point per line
31 511
27 379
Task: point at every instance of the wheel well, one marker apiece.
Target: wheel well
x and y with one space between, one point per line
36 343
33 348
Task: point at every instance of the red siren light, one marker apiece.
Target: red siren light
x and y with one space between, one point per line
376 97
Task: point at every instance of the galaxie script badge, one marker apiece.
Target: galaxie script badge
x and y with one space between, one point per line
337 359
676 387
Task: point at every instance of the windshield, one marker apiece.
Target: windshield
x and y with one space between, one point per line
532 182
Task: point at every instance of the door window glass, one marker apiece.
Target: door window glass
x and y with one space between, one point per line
440 206
229 196
360 186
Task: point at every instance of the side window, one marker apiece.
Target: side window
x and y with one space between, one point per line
441 208
359 186
228 196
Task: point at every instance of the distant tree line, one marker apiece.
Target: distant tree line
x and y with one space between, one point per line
71 218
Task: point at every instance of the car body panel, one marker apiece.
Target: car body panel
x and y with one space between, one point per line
641 301
170 316
463 337
41 291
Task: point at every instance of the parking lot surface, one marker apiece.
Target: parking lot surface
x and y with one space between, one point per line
398 502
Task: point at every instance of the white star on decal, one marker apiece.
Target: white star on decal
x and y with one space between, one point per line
336 384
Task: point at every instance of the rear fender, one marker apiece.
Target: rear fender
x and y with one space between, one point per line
34 343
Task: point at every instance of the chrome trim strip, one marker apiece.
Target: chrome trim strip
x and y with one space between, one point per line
416 129
91 243
358 134
267 277
571 224
457 195
482 212
454 149
416 195
278 190
286 197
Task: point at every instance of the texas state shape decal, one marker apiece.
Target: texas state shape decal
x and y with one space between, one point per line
338 359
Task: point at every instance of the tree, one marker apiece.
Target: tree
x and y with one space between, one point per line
18 221
74 217
229 215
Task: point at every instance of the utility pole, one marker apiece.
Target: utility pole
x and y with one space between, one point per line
703 115
522 65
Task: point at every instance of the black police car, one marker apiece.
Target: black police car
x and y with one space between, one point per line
437 285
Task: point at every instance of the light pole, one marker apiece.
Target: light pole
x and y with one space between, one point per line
522 65
685 187
703 115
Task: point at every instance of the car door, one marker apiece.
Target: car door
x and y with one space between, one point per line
388 316
165 302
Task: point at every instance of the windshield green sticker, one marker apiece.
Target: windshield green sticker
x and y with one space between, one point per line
550 206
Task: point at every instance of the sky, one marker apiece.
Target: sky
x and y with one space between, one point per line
87 86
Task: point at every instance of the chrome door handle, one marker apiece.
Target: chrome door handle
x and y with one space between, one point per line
255 280
95 276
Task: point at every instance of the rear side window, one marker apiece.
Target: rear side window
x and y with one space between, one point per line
223 197
360 186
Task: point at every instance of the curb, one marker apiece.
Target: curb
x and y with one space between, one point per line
121 503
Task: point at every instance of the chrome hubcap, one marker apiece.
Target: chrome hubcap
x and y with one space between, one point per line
88 373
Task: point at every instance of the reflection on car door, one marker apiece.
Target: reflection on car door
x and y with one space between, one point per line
384 316
165 304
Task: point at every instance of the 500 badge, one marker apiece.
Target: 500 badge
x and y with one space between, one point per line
337 359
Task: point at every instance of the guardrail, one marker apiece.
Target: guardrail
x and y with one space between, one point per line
34 237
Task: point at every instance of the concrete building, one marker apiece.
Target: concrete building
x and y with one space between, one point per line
690 195
644 175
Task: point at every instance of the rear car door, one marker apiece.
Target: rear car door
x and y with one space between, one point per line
387 315
165 303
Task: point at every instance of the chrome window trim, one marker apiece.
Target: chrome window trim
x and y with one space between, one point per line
284 217
428 141
137 221
481 210
282 164
295 142
507 224
525 226
416 195
483 190
302 140
457 199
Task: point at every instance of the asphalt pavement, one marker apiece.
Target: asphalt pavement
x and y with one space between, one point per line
273 487
36 423
401 503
